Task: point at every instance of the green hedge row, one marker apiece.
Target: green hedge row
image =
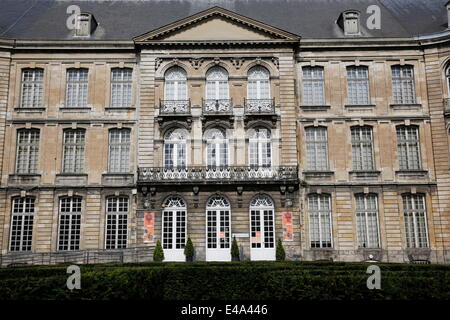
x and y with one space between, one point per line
228 281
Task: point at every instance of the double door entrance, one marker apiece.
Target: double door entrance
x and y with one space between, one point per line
218 229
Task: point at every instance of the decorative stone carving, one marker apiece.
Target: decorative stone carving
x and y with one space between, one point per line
237 62
276 62
196 62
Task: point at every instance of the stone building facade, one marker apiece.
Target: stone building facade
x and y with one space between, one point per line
217 126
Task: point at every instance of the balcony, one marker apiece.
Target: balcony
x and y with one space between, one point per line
217 107
259 106
223 175
175 108
447 107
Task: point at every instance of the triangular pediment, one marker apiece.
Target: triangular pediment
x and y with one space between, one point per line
216 24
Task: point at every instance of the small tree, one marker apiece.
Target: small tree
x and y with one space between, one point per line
280 254
189 250
234 250
158 253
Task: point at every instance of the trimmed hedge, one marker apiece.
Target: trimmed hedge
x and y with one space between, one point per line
227 281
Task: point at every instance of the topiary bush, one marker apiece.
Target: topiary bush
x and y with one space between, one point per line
235 250
280 253
158 253
189 250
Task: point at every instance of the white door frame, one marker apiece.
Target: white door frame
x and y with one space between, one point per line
263 253
216 208
173 253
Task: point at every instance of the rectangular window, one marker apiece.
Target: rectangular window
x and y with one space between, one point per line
362 149
69 223
358 85
313 86
32 88
320 221
415 221
408 147
316 148
403 85
73 151
21 238
116 222
77 88
121 84
367 221
119 150
27 151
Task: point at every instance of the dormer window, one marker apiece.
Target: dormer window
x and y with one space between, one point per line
86 25
349 22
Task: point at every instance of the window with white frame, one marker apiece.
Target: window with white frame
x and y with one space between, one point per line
408 147
403 84
27 151
117 209
175 148
316 148
313 86
415 220
175 84
21 237
216 148
260 147
77 88
217 84
69 223
362 148
119 150
358 85
367 220
32 88
319 206
73 159
258 87
121 84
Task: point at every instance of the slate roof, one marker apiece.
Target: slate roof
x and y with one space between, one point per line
126 19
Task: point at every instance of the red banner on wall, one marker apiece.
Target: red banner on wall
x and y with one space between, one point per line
286 221
149 226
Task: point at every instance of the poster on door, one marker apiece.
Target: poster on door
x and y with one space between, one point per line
286 221
149 227
256 238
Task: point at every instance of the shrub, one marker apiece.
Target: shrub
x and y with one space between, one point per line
280 254
189 250
158 253
235 250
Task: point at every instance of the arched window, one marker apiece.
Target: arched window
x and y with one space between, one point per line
260 147
217 84
175 84
174 228
175 142
117 209
320 232
218 229
258 83
21 236
367 220
262 228
216 148
69 223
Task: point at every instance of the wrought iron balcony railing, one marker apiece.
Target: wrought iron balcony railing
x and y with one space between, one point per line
175 107
222 174
259 106
217 106
447 107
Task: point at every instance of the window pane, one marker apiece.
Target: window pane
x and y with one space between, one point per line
313 86
21 237
32 88
316 148
27 151
121 84
116 222
403 85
